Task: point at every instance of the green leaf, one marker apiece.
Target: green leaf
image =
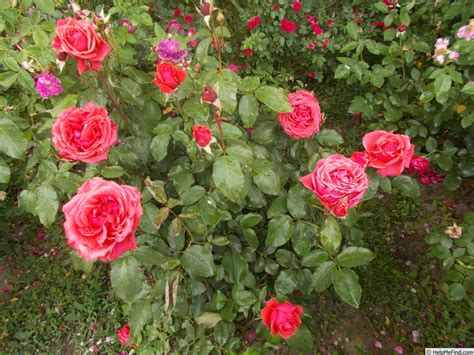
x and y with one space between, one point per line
235 266
126 278
452 182
12 141
241 152
279 231
66 102
405 18
285 282
81 264
330 235
226 90
8 78
265 177
407 185
46 6
314 258
442 84
112 172
159 146
468 88
25 79
4 172
249 84
193 195
139 313
346 285
329 138
229 178
248 110
456 292
354 256
322 277
194 109
249 220
198 262
296 202
351 28
208 319
302 340
148 256
47 204
274 98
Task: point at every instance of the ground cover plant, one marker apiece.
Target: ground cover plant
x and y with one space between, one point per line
214 197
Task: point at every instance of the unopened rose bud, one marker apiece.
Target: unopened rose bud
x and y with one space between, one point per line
205 9
220 18
208 96
61 56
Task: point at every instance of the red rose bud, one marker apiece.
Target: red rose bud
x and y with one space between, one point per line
208 95
202 135
358 115
62 56
205 9
312 75
177 13
276 7
401 28
247 52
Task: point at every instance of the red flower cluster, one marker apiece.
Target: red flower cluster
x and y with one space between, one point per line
420 166
288 26
253 22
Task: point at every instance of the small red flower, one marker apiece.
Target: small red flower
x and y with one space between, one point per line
401 28
296 6
247 52
202 135
276 7
358 115
359 20
311 46
208 95
123 334
325 43
243 66
312 75
317 30
281 318
288 26
188 19
253 22
177 13
168 77
330 23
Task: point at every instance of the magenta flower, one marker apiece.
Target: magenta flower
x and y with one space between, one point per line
378 344
233 67
398 349
48 85
454 56
168 49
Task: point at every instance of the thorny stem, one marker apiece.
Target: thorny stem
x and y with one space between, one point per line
217 117
113 99
217 42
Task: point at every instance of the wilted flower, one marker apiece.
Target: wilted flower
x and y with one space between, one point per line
398 349
168 49
48 85
415 334
454 232
378 344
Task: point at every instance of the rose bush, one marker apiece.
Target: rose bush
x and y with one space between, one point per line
222 202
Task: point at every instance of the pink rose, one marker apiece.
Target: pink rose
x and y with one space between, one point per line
84 134
101 219
361 158
123 334
305 119
388 152
79 40
281 318
338 182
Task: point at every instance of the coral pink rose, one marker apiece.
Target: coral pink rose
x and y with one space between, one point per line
168 77
338 182
282 318
79 40
388 152
202 135
361 158
84 134
101 219
305 119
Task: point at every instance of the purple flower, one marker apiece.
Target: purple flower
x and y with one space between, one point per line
453 55
168 49
48 85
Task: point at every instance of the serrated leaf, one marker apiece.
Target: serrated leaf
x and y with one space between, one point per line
354 256
346 285
330 235
126 278
12 141
279 231
198 261
274 98
322 277
229 178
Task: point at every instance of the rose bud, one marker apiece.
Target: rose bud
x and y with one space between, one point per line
220 18
208 95
62 56
205 9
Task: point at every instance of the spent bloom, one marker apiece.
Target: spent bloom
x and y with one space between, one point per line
168 49
48 85
454 231
466 32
